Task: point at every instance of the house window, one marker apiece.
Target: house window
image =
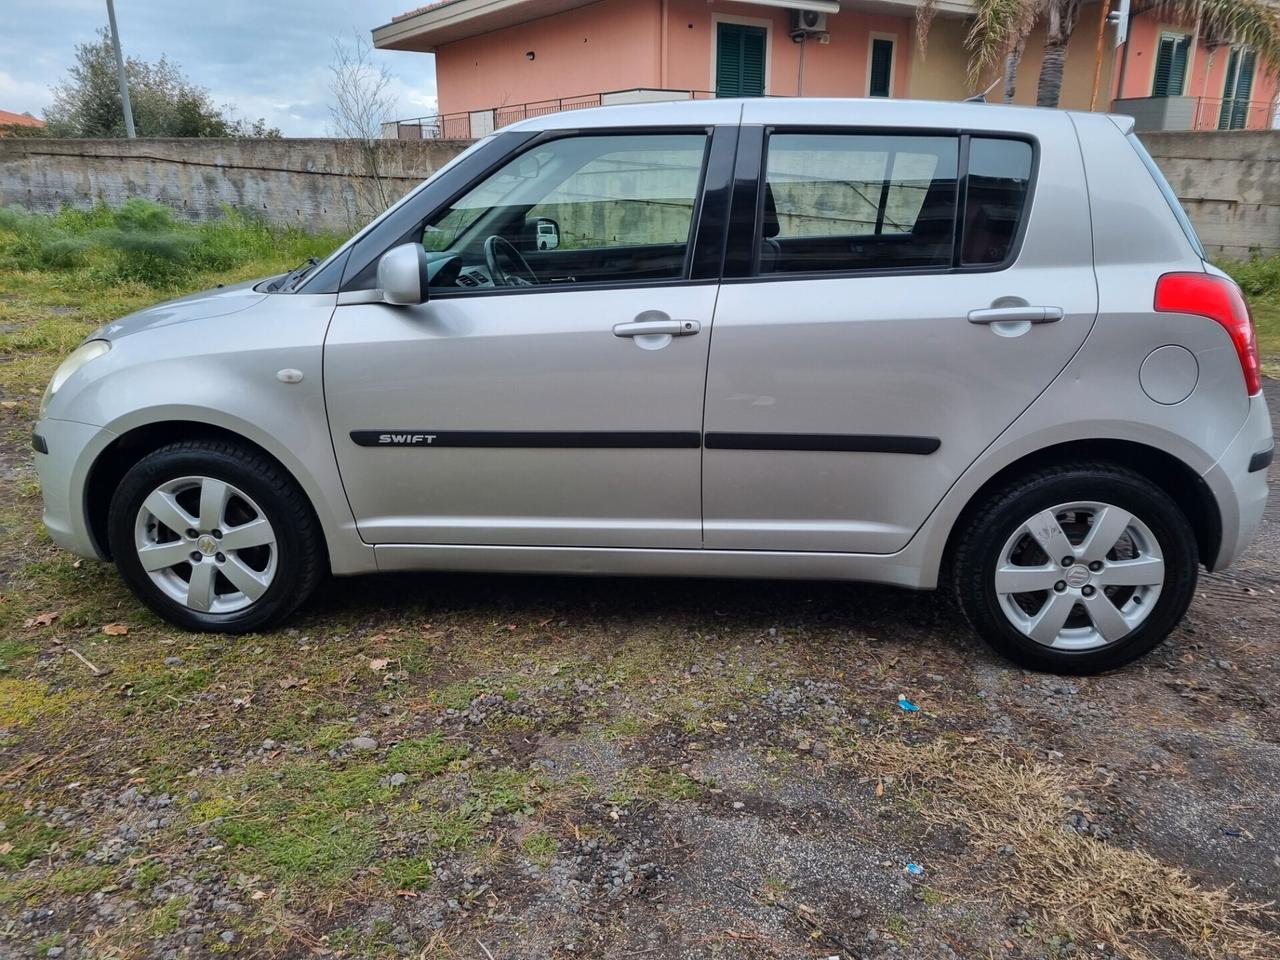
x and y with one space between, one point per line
881 79
1171 65
840 202
740 60
1236 90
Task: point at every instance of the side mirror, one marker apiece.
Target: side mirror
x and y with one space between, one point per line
402 275
542 233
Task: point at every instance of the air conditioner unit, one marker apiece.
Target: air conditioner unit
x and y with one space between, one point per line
808 21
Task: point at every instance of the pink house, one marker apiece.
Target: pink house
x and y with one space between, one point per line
498 61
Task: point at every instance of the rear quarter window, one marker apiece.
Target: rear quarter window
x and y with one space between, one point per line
996 187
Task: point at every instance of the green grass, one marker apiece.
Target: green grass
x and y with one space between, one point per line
1260 280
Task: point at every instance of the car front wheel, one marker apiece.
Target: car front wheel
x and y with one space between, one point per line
1077 569
215 537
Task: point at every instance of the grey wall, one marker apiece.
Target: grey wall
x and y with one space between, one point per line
321 184
1229 184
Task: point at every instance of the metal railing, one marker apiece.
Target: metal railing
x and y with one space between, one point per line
479 123
1218 114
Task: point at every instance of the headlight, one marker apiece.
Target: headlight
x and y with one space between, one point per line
78 358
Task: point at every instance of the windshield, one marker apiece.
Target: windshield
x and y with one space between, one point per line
301 287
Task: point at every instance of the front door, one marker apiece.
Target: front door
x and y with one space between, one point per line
541 397
872 348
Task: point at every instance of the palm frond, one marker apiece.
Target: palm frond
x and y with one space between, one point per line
997 26
925 10
1255 23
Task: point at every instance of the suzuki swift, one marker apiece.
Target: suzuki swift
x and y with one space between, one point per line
918 344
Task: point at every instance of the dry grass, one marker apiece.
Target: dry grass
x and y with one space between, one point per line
1077 880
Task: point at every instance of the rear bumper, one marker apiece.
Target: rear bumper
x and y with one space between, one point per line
1239 483
64 453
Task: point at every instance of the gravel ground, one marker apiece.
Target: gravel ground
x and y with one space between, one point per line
532 768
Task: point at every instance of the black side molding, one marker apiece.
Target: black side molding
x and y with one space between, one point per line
38 443
836 442
1262 459
564 440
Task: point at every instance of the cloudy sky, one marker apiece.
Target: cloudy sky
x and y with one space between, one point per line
267 58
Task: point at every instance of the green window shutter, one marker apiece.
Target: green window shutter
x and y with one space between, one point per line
1244 89
1171 66
740 61
753 62
1229 91
881 68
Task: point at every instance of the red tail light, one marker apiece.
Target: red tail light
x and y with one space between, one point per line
1206 295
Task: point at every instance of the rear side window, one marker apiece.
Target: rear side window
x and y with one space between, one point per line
999 176
840 202
1170 197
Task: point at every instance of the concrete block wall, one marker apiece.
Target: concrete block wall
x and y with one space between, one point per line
1229 183
317 184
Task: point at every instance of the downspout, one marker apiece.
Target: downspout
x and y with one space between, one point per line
663 80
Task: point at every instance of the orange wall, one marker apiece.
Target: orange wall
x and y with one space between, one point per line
616 45
605 46
837 69
1207 76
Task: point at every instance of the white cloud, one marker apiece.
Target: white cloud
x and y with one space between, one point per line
23 96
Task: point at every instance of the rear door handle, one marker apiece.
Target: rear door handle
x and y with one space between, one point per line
1016 314
649 328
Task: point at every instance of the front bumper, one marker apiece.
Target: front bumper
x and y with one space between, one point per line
64 453
1239 483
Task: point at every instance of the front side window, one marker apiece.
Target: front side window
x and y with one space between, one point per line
837 202
601 209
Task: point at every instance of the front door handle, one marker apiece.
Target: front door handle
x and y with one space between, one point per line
649 328
1016 314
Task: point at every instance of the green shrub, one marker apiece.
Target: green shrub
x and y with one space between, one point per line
143 242
1258 278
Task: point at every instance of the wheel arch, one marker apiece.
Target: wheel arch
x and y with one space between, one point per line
1178 480
115 460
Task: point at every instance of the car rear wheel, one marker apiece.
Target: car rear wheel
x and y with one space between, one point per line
215 537
1077 569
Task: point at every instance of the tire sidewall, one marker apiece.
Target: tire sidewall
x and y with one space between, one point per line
166 465
1148 504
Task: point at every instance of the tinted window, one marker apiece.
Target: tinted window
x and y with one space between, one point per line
576 210
995 199
836 202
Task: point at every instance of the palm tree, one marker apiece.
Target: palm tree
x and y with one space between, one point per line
1000 29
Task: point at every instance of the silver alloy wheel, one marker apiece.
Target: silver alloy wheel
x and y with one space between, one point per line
1079 576
206 544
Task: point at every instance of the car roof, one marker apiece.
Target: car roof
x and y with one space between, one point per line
817 111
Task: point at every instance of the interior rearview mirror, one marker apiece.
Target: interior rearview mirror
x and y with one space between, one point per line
402 275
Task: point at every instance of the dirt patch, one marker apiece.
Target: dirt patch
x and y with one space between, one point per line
536 767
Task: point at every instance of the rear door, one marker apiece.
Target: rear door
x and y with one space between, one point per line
896 299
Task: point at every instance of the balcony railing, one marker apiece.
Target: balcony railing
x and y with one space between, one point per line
1197 113
479 123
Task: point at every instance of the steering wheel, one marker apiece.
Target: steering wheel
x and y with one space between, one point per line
498 248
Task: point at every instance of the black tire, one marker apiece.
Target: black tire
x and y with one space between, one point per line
977 553
301 556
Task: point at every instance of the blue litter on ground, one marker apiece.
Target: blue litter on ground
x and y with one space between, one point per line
915 869
906 704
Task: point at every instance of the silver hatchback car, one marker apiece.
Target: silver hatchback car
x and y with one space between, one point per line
910 343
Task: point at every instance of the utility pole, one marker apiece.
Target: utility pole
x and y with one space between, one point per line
124 82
